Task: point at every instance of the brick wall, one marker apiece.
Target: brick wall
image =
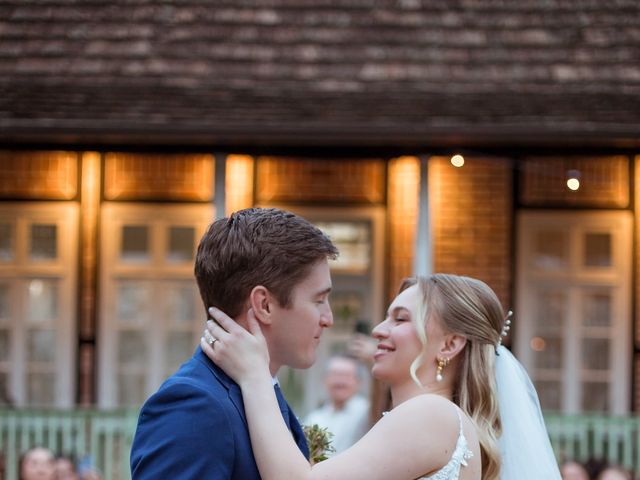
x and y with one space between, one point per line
604 181
305 180
146 176
472 220
38 175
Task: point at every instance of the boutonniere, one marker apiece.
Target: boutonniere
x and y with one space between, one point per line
319 442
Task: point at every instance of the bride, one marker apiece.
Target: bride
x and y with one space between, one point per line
462 407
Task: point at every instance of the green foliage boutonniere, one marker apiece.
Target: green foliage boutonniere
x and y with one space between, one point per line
319 442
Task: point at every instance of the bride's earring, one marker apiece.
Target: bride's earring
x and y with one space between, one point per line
442 362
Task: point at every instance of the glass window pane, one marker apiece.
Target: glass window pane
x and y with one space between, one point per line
41 345
131 388
40 388
597 250
132 348
595 396
5 344
551 310
181 304
550 250
179 348
548 352
353 240
5 306
6 242
42 304
133 302
595 353
135 243
44 242
596 308
550 394
181 244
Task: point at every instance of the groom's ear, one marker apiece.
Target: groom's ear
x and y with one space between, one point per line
261 300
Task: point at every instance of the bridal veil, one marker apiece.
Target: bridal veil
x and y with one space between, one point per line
524 445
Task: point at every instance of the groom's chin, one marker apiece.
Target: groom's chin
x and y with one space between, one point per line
305 363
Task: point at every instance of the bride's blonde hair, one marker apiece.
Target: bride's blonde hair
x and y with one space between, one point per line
470 308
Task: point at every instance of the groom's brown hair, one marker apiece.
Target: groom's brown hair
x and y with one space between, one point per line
257 246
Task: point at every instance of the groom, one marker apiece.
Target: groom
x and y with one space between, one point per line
194 426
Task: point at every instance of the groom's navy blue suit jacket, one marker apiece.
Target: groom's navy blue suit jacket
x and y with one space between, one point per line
194 427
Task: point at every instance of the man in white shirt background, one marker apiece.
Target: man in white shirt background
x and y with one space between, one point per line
346 412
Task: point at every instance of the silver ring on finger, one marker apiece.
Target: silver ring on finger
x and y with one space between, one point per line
209 338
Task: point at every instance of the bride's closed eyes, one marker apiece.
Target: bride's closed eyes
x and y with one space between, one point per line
399 314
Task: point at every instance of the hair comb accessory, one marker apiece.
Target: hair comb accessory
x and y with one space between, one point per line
505 329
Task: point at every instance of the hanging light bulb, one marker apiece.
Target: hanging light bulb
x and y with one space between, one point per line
573 180
457 160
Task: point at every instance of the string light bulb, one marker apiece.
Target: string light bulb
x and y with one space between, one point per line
573 180
457 160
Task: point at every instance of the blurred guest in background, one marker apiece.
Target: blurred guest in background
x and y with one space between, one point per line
363 346
346 413
614 472
37 464
87 470
572 470
65 468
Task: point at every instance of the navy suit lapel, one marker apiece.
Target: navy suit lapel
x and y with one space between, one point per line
233 390
298 434
284 406
235 395
292 422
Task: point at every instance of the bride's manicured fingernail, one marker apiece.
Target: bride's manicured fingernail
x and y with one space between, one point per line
209 323
213 310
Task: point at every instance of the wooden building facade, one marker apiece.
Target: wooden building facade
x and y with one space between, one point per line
126 127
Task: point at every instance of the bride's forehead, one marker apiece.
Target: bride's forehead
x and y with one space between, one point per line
406 299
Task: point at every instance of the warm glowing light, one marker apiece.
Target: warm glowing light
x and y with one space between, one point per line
538 344
403 194
457 161
573 184
573 179
239 182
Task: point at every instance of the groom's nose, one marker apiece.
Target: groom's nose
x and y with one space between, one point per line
326 319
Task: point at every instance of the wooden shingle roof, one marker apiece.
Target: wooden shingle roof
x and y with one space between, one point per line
320 72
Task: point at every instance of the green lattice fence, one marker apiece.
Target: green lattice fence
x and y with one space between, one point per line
104 435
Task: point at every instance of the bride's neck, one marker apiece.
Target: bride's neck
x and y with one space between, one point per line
402 392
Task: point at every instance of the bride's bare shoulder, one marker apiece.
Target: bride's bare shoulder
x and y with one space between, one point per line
426 409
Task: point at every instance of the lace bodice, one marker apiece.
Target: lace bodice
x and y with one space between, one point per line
451 471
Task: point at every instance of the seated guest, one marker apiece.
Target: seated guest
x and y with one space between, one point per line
37 464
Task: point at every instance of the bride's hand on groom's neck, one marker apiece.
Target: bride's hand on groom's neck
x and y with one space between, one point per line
241 353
